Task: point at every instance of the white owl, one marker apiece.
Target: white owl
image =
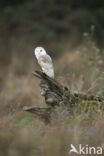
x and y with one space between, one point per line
45 61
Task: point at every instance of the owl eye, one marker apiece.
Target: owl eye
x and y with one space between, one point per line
41 50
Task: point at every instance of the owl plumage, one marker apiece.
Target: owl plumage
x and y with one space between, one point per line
44 61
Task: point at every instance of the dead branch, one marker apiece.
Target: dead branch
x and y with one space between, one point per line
55 95
41 113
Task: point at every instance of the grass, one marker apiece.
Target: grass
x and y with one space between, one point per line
22 134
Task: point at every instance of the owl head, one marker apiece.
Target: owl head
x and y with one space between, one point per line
39 51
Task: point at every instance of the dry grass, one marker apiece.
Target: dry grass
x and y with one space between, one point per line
21 134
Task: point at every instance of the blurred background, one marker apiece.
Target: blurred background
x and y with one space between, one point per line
72 32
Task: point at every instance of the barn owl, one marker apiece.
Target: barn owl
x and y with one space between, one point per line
44 61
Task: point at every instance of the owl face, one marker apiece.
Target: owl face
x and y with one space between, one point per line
39 51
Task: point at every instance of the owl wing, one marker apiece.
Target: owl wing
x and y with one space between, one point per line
46 64
45 60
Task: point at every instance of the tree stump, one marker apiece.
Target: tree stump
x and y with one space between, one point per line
56 95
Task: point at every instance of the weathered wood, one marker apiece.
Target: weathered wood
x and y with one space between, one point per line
53 92
41 113
56 95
